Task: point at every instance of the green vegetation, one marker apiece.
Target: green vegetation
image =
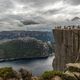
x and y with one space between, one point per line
7 72
50 74
23 49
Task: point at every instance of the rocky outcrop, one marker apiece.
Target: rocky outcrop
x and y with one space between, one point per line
9 73
72 72
25 74
67 46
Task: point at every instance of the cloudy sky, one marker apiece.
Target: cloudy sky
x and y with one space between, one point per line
39 10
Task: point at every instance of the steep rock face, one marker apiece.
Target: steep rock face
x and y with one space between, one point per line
23 48
67 47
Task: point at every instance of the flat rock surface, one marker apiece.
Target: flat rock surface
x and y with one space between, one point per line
77 65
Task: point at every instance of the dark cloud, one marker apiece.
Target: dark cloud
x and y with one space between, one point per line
73 2
29 22
75 18
37 11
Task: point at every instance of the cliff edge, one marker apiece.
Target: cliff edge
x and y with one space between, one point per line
67 46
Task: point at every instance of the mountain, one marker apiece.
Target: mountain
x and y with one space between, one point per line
40 35
76 19
23 48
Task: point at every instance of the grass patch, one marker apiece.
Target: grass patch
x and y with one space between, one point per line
7 72
50 74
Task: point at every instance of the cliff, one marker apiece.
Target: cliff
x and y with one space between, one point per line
67 48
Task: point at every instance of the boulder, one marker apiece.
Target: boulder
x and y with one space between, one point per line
1 78
69 75
73 67
35 78
12 79
77 74
25 74
8 73
56 78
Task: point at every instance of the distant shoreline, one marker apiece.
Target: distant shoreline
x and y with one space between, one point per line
30 58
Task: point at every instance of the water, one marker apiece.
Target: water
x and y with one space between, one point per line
37 67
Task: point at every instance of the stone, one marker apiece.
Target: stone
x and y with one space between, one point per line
77 65
73 67
25 74
77 75
56 78
35 78
12 79
69 75
1 78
